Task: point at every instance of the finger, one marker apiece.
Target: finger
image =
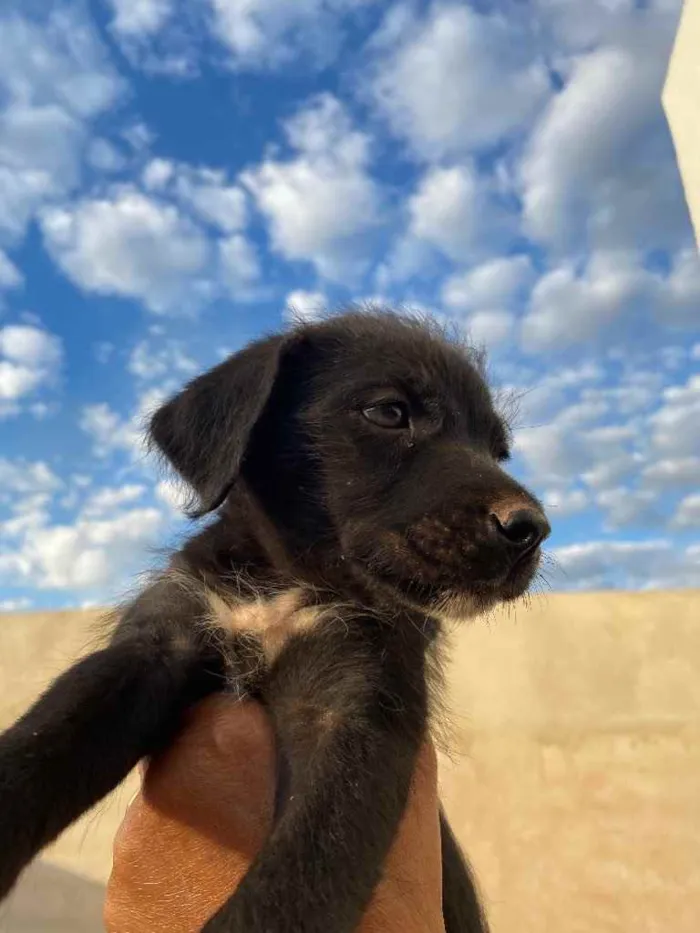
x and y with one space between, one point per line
189 836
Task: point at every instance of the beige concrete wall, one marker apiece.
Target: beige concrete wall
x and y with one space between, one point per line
575 779
681 101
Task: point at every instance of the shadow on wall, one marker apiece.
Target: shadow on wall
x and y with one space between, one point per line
575 779
53 900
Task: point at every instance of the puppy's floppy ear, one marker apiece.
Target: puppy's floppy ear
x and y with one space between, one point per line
204 431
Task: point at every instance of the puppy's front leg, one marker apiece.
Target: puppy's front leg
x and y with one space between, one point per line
85 734
350 713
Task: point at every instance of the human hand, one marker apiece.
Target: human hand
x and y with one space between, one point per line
204 811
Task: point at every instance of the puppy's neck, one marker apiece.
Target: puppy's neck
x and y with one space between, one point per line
267 536
244 544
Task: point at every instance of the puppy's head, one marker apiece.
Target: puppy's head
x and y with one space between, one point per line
373 446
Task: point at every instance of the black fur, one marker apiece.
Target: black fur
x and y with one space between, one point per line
355 464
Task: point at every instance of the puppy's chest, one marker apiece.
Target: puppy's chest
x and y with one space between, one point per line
269 624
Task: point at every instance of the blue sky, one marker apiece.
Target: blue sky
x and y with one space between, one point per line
175 177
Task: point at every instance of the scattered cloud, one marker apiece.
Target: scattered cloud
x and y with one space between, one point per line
105 501
139 17
650 564
10 276
455 211
266 34
573 304
487 296
672 473
89 554
15 605
130 245
506 167
687 514
205 191
569 306
599 167
30 358
321 204
55 79
23 478
628 450
454 80
239 266
109 431
675 426
151 360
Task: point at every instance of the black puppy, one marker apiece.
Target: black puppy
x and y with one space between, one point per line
355 464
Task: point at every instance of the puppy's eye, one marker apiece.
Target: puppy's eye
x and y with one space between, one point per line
394 415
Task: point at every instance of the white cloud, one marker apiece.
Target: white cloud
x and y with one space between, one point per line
494 284
675 426
130 245
321 204
569 306
488 295
104 156
489 328
453 210
112 432
624 507
205 191
218 204
687 514
139 17
31 346
90 554
239 265
139 137
564 502
176 245
109 431
622 442
20 477
149 361
15 605
10 276
303 305
573 304
611 453
269 33
27 515
550 453
672 472
456 80
105 501
650 564
541 397
29 359
599 163
54 78
158 173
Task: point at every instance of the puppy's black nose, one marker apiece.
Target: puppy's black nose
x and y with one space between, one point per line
524 529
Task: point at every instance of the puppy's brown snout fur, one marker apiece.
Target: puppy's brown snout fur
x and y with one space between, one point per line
523 527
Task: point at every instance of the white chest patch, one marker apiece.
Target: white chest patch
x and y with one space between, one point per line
274 621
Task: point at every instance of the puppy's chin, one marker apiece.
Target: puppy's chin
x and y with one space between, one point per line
447 602
460 607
